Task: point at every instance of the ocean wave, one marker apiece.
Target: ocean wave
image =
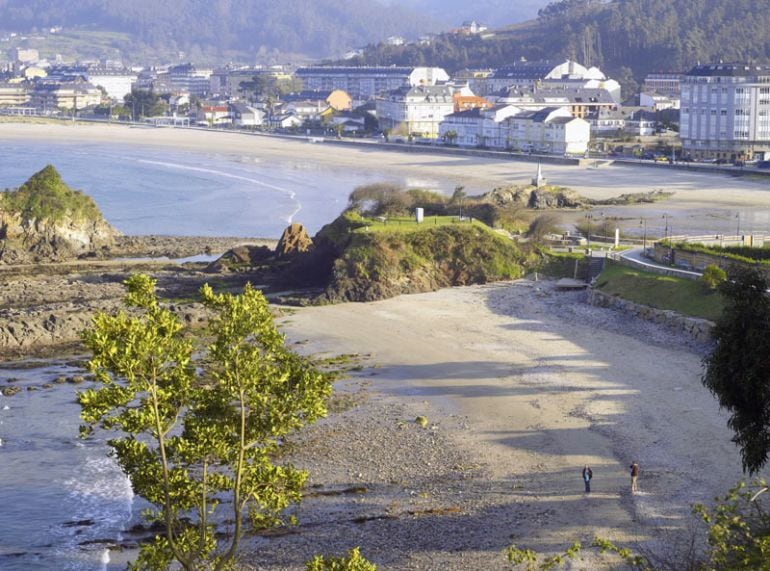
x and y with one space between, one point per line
287 192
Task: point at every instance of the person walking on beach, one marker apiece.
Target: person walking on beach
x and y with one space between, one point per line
587 475
634 477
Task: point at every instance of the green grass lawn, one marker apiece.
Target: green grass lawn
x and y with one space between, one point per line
409 224
688 297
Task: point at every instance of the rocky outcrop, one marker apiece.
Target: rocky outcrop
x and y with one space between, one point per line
45 220
535 198
294 240
241 257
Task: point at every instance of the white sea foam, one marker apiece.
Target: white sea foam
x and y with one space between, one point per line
288 192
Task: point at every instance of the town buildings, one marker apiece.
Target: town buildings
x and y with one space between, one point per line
508 127
725 111
415 111
363 83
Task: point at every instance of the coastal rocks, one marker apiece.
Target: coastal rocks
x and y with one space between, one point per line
294 240
241 257
45 220
535 198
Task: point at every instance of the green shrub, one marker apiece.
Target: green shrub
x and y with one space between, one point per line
353 562
713 275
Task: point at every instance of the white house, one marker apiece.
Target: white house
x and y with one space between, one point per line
246 116
417 110
285 121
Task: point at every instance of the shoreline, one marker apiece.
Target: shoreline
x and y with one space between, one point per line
703 203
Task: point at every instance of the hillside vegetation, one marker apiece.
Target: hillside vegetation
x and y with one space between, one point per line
46 220
356 265
208 30
641 35
45 196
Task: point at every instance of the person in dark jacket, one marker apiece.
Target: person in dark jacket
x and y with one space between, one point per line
634 477
587 475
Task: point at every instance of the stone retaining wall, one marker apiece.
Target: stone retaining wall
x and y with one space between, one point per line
698 329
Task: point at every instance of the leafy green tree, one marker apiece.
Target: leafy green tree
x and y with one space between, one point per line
144 103
200 427
354 561
738 369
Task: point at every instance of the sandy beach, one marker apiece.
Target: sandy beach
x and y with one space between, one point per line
521 384
704 203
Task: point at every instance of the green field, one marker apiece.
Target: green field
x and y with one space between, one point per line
409 224
688 297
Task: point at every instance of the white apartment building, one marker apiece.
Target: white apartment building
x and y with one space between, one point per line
478 127
418 111
725 111
549 129
117 84
364 82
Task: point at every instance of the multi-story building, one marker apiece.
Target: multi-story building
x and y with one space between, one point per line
417 111
663 84
77 94
363 83
116 83
25 55
478 127
13 94
550 129
725 111
582 102
186 78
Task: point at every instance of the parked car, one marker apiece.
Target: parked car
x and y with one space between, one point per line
763 165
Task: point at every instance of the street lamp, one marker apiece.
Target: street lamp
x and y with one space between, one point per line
738 230
589 217
665 231
643 222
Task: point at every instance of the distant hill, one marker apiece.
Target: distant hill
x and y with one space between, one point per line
640 35
488 12
221 29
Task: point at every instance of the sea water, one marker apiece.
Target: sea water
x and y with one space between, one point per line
146 190
63 500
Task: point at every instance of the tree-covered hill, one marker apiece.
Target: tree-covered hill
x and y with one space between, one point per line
317 28
489 12
643 35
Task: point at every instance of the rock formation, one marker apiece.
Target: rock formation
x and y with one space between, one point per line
45 220
294 240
